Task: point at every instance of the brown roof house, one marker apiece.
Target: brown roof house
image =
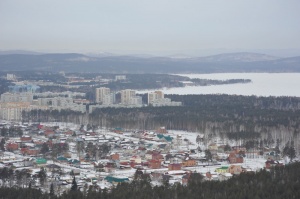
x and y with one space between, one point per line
234 158
188 162
174 166
235 169
154 164
115 156
12 146
26 138
271 163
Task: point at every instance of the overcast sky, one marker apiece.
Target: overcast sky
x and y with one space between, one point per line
152 26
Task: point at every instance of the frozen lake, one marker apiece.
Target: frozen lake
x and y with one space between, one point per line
263 84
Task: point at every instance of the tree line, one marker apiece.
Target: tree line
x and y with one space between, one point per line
280 182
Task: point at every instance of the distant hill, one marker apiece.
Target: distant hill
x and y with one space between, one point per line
24 52
74 62
237 57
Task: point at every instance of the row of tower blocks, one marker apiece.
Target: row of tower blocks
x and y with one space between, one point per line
128 97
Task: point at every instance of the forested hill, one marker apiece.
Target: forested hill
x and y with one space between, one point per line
280 182
223 115
72 62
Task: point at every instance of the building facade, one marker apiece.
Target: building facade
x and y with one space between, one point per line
103 95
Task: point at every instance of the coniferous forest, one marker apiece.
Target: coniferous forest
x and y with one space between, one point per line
278 183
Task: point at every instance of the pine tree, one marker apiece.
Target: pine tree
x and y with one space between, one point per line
42 176
44 148
74 185
2 143
51 193
291 153
208 155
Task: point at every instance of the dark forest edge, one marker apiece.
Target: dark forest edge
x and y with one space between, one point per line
201 113
280 182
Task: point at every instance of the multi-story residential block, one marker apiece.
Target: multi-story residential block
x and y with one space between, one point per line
126 96
120 77
157 98
11 77
136 100
59 103
59 94
13 110
156 95
21 87
17 97
103 95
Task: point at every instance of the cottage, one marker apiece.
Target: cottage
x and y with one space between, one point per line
26 138
154 164
235 158
223 169
157 156
235 169
174 166
189 162
49 133
12 146
271 163
136 159
225 176
115 156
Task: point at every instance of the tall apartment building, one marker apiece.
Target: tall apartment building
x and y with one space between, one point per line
120 77
157 98
157 95
11 77
60 103
126 96
102 95
17 97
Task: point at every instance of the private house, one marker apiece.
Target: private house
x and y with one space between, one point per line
222 170
174 166
213 148
29 151
136 159
234 158
235 169
149 155
272 163
115 156
155 176
12 146
185 179
162 130
221 149
26 138
154 164
225 176
69 133
157 156
272 155
212 176
188 162
49 133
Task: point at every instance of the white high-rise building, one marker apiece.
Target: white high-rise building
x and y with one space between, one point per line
10 77
102 94
17 97
126 96
157 95
157 98
120 77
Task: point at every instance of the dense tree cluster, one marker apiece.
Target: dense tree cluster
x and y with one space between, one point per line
247 116
279 182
